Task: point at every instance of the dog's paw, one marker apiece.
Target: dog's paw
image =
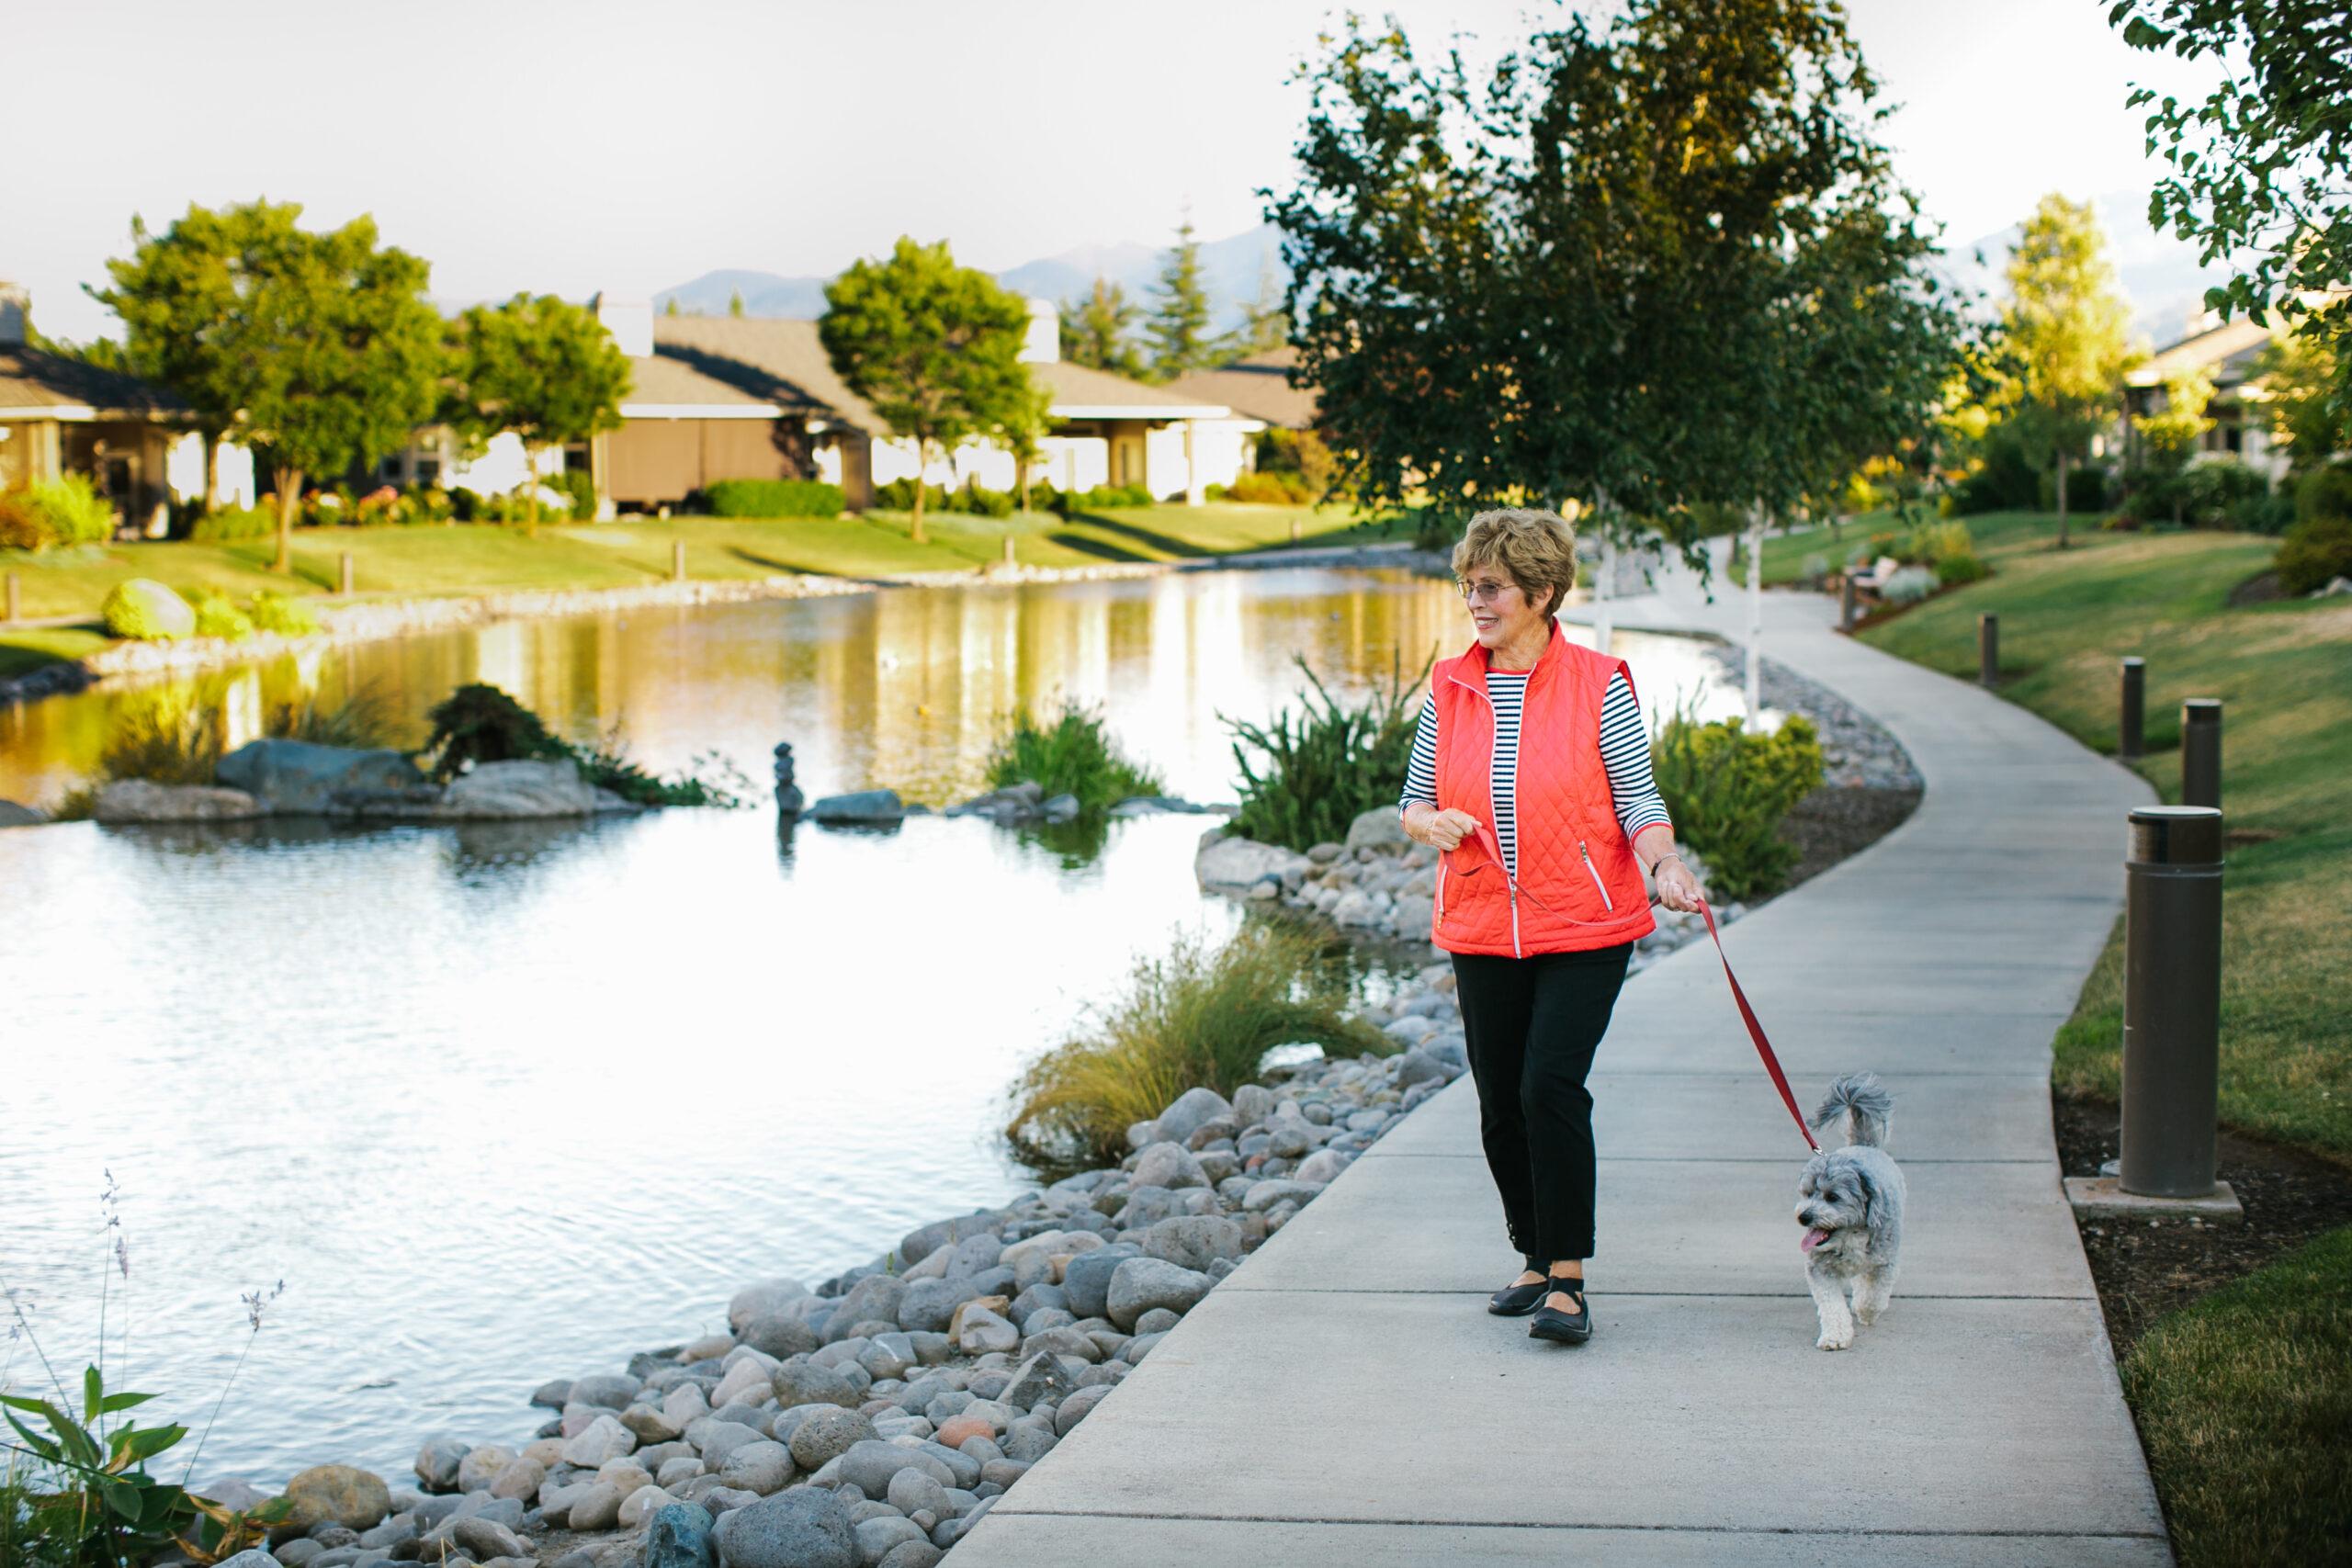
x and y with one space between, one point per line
1835 1341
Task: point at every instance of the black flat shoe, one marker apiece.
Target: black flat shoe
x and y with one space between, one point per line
1567 1327
1517 1301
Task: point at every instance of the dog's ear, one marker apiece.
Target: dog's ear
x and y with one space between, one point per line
1877 1214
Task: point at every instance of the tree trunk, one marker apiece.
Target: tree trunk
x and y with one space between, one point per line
922 462
211 470
290 500
2061 499
530 492
1020 471
1755 619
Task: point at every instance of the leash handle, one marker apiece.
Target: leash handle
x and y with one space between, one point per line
1756 1031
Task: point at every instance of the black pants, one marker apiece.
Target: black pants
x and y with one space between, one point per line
1532 1025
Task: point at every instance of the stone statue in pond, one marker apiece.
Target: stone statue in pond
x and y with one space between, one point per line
788 798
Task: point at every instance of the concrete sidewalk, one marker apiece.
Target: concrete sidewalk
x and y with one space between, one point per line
1345 1398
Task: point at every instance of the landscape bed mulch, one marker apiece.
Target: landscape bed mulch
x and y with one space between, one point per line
2146 1269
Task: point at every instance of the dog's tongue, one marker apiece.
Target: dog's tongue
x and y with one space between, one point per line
1814 1238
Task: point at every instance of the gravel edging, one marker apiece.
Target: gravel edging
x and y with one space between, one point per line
403 617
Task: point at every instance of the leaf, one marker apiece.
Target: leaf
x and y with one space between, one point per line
149 1441
33 1440
93 1391
124 1497
115 1402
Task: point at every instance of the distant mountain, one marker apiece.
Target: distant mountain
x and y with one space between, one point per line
1232 269
2159 274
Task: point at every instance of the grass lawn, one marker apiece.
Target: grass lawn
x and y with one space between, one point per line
2240 1398
429 562
1785 554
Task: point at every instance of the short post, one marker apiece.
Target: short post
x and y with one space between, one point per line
1007 549
343 576
1988 651
677 560
2172 999
2200 752
1846 601
2131 723
1294 530
13 604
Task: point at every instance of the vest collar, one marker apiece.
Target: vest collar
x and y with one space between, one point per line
1470 670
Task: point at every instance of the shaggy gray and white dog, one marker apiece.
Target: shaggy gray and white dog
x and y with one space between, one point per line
1850 1203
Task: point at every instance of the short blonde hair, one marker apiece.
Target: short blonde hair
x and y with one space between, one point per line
1536 549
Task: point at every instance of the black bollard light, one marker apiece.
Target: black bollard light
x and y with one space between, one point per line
1988 652
2131 724
2200 751
2172 1000
1846 601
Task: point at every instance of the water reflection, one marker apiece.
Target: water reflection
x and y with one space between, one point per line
504 1101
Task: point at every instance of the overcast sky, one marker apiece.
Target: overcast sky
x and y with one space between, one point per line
581 145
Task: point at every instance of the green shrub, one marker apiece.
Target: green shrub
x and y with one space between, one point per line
607 765
1328 766
1933 542
977 499
224 525
1100 498
2314 553
481 724
2324 492
20 526
1727 791
145 610
1815 567
71 510
1073 755
361 719
777 498
1194 1018
166 737
898 495
2086 488
216 617
274 611
581 486
1908 586
2222 495
1952 570
1269 490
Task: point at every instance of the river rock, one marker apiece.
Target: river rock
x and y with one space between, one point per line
1234 865
520 1478
679 1536
762 1467
137 800
1252 1103
1087 1280
296 776
721 1438
877 1536
798 1381
596 1507
1139 1284
1167 1165
761 1297
781 1334
864 805
611 1390
604 1438
1039 1380
1071 1411
874 1298
498 791
1192 1241
437 1463
250 1557
983 1330
481 1538
745 1379
1418 1067
1378 829
826 1434
805 1528
480 1465
1266 1194
13 815
335 1494
929 1305
869 1465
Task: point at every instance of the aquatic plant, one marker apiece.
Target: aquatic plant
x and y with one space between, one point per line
1327 765
1074 754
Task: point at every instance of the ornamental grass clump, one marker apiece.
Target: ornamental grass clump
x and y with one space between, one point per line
1323 767
1073 754
360 719
1196 1017
166 738
1727 791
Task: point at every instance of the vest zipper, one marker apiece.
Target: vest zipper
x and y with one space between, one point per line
1494 723
1583 854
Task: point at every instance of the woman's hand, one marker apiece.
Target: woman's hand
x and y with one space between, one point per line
1443 830
1676 888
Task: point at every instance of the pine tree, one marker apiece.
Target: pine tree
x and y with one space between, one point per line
735 303
671 308
1095 331
1179 327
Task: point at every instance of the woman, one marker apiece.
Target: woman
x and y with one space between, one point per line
1530 775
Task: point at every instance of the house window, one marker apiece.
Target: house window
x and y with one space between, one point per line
390 469
428 470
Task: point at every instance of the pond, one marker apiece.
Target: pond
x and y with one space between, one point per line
509 1102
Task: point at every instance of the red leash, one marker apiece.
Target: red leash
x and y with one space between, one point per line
1756 1031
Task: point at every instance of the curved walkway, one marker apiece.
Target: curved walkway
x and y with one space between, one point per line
1344 1398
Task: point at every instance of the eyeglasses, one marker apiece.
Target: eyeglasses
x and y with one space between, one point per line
1483 593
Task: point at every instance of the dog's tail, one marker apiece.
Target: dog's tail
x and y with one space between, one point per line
1866 1105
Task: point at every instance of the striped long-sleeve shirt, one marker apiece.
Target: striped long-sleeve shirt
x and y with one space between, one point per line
1625 752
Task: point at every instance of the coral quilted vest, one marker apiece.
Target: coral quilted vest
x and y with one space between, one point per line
1579 886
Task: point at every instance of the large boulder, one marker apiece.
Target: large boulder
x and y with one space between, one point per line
295 777
437 1463
15 816
148 611
806 1527
864 805
761 1297
498 791
1193 1241
1235 865
335 1494
137 800
1377 827
1188 1113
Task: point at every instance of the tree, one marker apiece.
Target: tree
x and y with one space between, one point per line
672 308
2300 374
934 347
540 368
2168 438
1178 328
180 296
1265 324
1096 331
2262 168
1021 428
735 302
2065 332
1655 269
